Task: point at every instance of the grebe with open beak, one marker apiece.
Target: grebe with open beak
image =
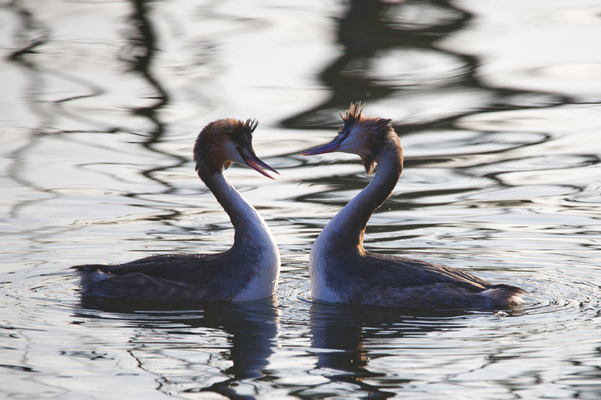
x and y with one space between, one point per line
247 271
340 268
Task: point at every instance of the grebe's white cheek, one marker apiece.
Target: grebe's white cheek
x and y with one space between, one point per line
231 153
354 144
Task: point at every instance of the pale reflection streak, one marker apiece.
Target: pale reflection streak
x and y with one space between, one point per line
30 34
138 54
31 40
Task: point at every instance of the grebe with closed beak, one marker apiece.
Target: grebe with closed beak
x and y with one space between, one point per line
340 268
247 271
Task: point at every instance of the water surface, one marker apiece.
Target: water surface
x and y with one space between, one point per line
497 107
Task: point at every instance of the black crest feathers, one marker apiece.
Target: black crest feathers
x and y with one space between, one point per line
381 126
353 114
251 125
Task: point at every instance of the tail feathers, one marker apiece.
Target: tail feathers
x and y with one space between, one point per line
509 288
503 295
89 276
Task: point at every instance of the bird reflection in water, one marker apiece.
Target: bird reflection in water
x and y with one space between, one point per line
251 329
342 335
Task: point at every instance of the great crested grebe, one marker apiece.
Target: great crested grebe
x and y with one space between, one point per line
340 268
247 271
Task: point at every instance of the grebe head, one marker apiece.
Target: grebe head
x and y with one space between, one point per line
226 140
359 135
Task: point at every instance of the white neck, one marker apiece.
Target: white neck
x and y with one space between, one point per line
345 230
254 249
343 235
244 217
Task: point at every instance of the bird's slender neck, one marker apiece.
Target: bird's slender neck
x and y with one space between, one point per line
346 229
244 217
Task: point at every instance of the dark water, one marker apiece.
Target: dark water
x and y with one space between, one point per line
497 107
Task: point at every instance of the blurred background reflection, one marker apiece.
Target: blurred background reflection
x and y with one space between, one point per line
497 107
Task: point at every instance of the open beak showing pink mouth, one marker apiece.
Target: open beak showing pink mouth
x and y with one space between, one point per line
255 163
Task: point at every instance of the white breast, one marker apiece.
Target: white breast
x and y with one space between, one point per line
318 264
267 266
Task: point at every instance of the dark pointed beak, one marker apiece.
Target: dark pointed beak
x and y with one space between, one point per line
326 148
251 159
